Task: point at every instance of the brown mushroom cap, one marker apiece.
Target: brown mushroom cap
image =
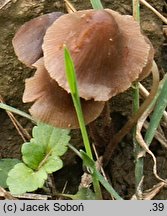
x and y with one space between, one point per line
146 70
108 50
28 40
52 104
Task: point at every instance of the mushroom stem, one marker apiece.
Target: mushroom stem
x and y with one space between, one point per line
132 121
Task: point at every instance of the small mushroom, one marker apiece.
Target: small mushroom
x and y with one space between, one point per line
108 50
109 53
52 104
28 40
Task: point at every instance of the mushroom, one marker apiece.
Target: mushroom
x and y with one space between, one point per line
52 104
146 70
109 53
28 40
108 50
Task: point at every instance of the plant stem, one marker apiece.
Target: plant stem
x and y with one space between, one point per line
78 109
137 148
86 142
16 111
136 10
107 186
157 114
72 81
92 167
96 4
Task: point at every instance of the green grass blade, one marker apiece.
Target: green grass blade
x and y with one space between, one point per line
72 81
160 107
91 165
136 10
71 77
16 111
96 4
137 147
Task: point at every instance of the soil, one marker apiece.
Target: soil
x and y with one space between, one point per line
13 73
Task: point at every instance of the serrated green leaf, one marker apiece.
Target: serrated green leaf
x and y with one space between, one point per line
5 166
46 136
46 145
33 154
22 179
41 157
53 164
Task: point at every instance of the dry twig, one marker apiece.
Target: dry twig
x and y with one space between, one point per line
6 195
70 8
22 132
150 193
154 10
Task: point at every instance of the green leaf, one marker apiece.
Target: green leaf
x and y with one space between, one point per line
53 164
47 142
70 71
5 166
88 162
82 194
92 167
33 154
159 109
72 81
23 179
41 156
50 137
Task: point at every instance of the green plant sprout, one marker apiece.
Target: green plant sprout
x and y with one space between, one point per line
72 81
90 164
92 168
87 158
41 156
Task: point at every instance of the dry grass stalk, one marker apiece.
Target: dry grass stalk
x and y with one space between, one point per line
21 131
154 10
6 195
69 6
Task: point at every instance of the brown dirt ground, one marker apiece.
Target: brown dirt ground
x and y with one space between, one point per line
13 73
